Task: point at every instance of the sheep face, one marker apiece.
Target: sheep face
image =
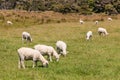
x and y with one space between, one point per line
57 58
87 38
60 51
88 35
107 33
27 38
45 64
64 52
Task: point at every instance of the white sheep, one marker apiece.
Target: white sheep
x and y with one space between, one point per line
26 36
9 22
89 35
96 22
81 21
47 50
102 31
109 19
25 53
61 47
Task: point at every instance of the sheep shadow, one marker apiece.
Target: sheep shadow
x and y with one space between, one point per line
39 66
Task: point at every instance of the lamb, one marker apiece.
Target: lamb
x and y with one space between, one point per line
102 31
9 22
26 36
61 48
81 21
25 53
47 50
89 35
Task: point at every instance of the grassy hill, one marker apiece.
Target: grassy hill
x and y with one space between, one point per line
97 59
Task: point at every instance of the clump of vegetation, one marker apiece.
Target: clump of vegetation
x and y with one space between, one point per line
2 18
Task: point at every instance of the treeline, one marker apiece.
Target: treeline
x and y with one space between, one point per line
64 6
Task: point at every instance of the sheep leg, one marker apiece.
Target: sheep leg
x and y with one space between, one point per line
19 64
23 65
104 34
34 63
50 58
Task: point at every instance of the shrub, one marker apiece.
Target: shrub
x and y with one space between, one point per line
2 17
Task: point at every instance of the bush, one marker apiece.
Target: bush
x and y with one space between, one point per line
2 18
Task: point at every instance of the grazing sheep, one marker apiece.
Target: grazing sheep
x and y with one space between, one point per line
89 35
9 22
102 31
47 50
81 21
61 47
30 54
109 19
26 36
96 22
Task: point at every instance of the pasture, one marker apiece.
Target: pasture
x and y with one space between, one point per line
96 59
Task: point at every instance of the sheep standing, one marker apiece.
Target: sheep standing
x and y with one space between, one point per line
89 35
102 31
47 50
61 47
81 21
30 54
26 36
9 22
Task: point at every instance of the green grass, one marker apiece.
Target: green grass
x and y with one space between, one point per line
97 59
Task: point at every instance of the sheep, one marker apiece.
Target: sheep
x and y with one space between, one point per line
61 48
47 50
96 22
81 21
102 31
89 35
26 53
9 22
109 19
26 36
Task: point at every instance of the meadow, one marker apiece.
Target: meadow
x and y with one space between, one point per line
96 59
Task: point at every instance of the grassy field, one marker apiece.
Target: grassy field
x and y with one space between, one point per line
97 59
